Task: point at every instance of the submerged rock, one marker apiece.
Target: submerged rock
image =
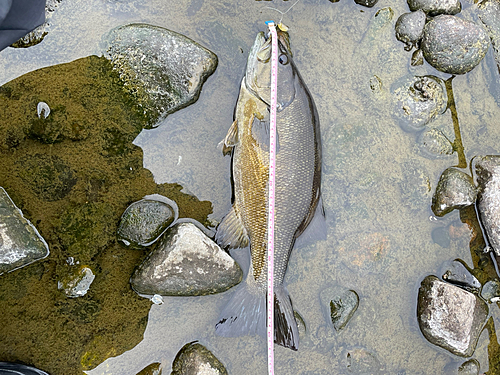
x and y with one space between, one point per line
457 273
470 367
195 359
417 58
489 14
491 291
453 45
488 202
9 368
339 305
410 28
455 189
449 316
361 361
436 7
186 263
433 144
144 221
20 242
77 283
162 69
418 101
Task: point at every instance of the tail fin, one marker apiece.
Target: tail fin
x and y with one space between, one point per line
245 314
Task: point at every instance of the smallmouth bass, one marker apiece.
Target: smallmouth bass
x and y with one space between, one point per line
298 180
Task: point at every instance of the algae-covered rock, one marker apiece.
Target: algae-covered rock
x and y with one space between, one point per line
144 221
436 7
455 189
152 369
195 359
162 69
433 144
186 263
20 242
339 305
453 45
418 100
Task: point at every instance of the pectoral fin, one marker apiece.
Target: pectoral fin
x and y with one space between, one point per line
231 233
231 139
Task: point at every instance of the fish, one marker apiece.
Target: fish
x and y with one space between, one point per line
297 187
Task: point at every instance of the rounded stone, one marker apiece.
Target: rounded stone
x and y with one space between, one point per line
453 45
434 144
144 221
436 7
366 3
418 100
455 189
194 358
410 27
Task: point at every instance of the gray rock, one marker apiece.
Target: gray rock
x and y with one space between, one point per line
449 316
77 283
488 202
195 359
436 7
366 3
491 291
144 221
162 69
433 144
458 273
410 28
339 305
470 367
361 362
453 45
20 242
10 368
455 189
418 100
186 262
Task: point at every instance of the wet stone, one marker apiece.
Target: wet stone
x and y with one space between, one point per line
20 242
339 305
9 368
152 369
488 203
489 14
417 58
455 189
456 272
162 69
360 362
453 45
436 7
491 291
186 262
410 27
195 359
433 144
418 101
144 221
366 3
470 367
449 316
77 283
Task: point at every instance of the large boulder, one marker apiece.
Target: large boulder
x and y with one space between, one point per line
186 263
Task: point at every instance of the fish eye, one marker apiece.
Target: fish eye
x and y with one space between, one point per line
283 59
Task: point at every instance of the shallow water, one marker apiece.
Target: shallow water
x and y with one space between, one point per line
377 185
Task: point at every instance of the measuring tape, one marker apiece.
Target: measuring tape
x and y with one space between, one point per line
272 196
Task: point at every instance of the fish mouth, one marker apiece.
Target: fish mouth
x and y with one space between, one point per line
259 54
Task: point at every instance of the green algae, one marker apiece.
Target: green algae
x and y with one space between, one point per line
73 174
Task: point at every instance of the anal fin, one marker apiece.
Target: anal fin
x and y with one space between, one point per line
231 233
